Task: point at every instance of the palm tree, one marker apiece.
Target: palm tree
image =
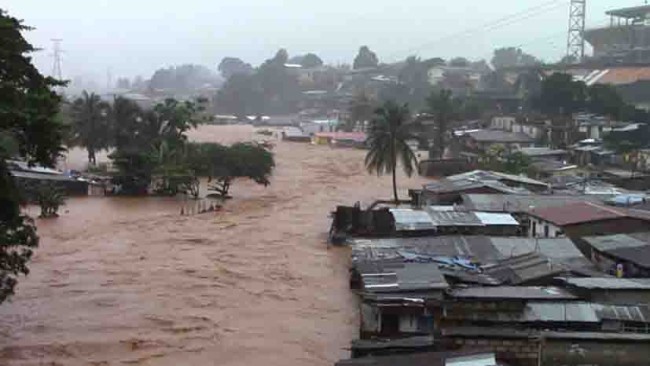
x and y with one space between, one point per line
444 109
90 125
388 138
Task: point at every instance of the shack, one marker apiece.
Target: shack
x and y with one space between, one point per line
625 255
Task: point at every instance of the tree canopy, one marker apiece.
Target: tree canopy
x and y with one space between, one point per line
388 137
365 58
183 78
230 66
29 128
512 57
90 124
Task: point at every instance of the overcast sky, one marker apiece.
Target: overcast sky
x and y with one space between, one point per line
135 37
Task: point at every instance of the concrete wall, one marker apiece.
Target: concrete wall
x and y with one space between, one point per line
540 228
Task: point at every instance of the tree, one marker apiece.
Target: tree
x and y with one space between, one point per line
241 95
605 100
361 110
561 96
242 160
183 78
512 57
32 130
388 139
444 109
230 66
414 76
49 197
365 59
459 62
311 60
90 124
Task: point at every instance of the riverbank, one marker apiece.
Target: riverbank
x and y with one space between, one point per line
120 280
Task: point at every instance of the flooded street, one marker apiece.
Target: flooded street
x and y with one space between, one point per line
130 281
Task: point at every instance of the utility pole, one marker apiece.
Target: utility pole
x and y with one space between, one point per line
576 37
56 53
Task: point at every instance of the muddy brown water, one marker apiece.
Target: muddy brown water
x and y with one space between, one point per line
130 281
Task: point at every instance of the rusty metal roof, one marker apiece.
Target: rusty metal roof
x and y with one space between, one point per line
577 213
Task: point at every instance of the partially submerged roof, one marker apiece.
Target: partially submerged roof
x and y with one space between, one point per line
499 136
512 293
609 283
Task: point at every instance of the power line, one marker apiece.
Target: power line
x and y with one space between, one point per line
498 23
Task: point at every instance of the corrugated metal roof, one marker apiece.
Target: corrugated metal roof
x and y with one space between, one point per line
500 219
454 218
520 203
556 248
401 277
478 248
499 136
612 242
577 213
524 268
412 220
610 283
513 292
559 312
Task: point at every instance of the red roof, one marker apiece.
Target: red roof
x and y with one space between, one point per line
577 213
625 75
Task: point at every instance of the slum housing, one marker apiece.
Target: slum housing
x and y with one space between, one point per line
501 265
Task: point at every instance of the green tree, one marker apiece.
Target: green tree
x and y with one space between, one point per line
516 163
365 59
31 129
444 109
561 96
90 124
388 137
241 160
605 100
311 60
49 197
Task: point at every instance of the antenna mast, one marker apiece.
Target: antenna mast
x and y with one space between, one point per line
57 51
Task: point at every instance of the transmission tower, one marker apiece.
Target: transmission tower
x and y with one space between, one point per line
57 51
576 38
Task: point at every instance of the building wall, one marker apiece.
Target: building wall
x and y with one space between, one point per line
543 229
520 352
606 227
503 123
594 353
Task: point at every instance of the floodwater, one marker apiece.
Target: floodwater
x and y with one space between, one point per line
130 281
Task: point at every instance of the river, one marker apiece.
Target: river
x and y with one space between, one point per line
131 281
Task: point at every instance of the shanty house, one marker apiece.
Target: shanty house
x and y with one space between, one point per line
585 218
628 254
